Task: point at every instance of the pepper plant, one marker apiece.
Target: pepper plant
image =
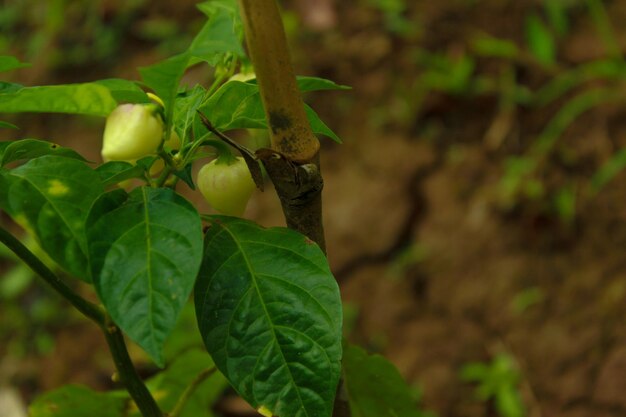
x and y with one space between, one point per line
267 306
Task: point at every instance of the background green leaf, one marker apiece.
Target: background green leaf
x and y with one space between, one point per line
50 197
375 387
167 386
540 40
88 98
75 401
270 314
8 63
7 125
145 251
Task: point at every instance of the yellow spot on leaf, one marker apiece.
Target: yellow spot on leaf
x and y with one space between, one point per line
264 411
57 188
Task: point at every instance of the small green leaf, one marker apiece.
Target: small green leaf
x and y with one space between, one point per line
306 84
608 171
540 41
145 251
75 400
50 197
7 125
89 98
375 387
238 105
114 172
318 84
186 105
6 87
8 63
270 314
318 125
219 36
24 149
490 46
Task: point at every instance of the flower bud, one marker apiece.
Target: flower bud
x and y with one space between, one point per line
132 131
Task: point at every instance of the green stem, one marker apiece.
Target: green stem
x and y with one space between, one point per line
184 398
163 177
125 368
90 310
128 374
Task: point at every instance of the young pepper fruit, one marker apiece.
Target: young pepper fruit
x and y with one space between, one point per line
227 185
132 131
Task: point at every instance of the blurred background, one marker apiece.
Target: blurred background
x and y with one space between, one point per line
475 213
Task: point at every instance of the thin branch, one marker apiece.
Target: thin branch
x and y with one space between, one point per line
88 309
184 398
113 335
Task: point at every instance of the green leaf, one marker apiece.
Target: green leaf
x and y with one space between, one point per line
318 84
318 125
89 98
375 387
270 314
7 125
540 41
75 400
609 170
238 105
114 172
50 197
219 36
186 105
145 251
487 45
124 91
8 63
164 78
216 38
33 148
6 87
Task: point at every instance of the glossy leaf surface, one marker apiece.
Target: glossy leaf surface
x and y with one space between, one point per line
269 311
50 197
145 250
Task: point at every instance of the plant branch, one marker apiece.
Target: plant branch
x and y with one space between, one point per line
88 309
293 161
125 368
184 398
127 372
